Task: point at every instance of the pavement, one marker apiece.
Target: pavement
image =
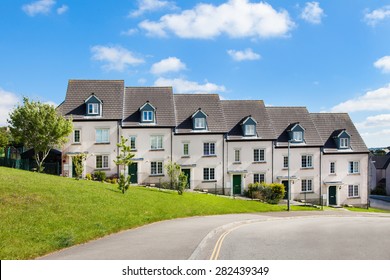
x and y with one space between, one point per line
201 237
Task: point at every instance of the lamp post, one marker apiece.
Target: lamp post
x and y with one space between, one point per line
288 177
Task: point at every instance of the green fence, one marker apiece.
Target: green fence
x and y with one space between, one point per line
26 164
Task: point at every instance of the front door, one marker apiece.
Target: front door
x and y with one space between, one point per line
285 183
236 184
332 195
133 170
187 172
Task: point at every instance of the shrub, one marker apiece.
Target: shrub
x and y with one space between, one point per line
114 180
88 176
270 193
99 176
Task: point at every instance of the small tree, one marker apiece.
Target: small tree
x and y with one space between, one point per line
123 160
78 162
4 139
177 177
39 126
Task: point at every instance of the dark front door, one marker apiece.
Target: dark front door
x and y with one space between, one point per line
285 183
332 195
133 170
236 184
187 172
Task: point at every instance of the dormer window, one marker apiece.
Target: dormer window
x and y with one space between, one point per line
199 120
342 139
249 126
200 123
147 116
148 113
93 109
296 133
297 136
93 105
344 143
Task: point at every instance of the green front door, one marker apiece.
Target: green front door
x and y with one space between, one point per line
187 172
236 184
133 170
332 195
285 183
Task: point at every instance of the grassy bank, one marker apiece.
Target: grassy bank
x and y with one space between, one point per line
42 213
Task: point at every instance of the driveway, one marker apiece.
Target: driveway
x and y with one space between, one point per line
281 235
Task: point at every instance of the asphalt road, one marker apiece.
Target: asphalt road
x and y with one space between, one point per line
381 202
282 235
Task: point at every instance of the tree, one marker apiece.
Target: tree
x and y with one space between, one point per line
4 139
177 177
124 160
78 162
39 126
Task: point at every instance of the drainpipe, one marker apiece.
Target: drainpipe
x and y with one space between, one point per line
223 164
117 150
172 145
321 203
368 181
272 162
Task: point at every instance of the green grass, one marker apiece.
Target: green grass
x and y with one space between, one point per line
373 210
42 213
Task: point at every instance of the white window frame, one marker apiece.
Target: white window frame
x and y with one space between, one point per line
104 137
156 142
156 168
250 129
104 161
131 140
200 123
353 191
353 167
332 167
93 108
147 116
209 174
298 136
308 162
209 149
186 151
257 177
237 155
306 185
344 143
260 156
74 136
285 162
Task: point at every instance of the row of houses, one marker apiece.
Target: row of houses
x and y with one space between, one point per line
218 143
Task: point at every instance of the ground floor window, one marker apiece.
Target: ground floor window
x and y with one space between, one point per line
156 168
208 174
258 177
353 191
307 185
101 161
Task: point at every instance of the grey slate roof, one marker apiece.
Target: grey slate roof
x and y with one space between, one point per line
110 92
330 124
160 97
283 117
381 162
187 104
237 110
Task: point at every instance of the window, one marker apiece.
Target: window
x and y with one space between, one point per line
237 157
344 143
258 177
101 162
93 108
156 142
353 167
285 161
208 174
298 136
307 185
307 161
353 191
102 135
258 155
76 136
156 168
200 123
186 149
209 149
250 129
132 142
147 116
332 168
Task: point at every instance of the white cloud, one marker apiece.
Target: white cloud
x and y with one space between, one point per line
115 58
129 32
383 64
372 18
235 18
142 81
151 5
38 7
170 64
8 101
184 86
378 99
63 9
312 13
246 54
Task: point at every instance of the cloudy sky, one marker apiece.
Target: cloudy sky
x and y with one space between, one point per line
331 56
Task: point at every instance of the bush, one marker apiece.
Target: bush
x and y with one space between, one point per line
114 181
270 193
100 176
88 176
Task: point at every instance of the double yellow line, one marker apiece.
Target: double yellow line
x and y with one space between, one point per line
218 245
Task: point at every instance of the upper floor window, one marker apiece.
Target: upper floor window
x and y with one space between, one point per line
258 155
133 142
285 161
200 123
332 168
93 108
102 135
307 161
344 143
237 155
156 142
186 149
353 167
147 116
296 132
249 126
209 149
93 104
76 136
199 120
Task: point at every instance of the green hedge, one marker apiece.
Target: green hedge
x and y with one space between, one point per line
270 193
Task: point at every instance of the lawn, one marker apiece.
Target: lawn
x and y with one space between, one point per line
42 213
373 210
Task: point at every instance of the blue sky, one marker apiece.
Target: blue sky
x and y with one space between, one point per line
331 56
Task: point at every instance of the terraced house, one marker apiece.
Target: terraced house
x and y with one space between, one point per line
219 144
